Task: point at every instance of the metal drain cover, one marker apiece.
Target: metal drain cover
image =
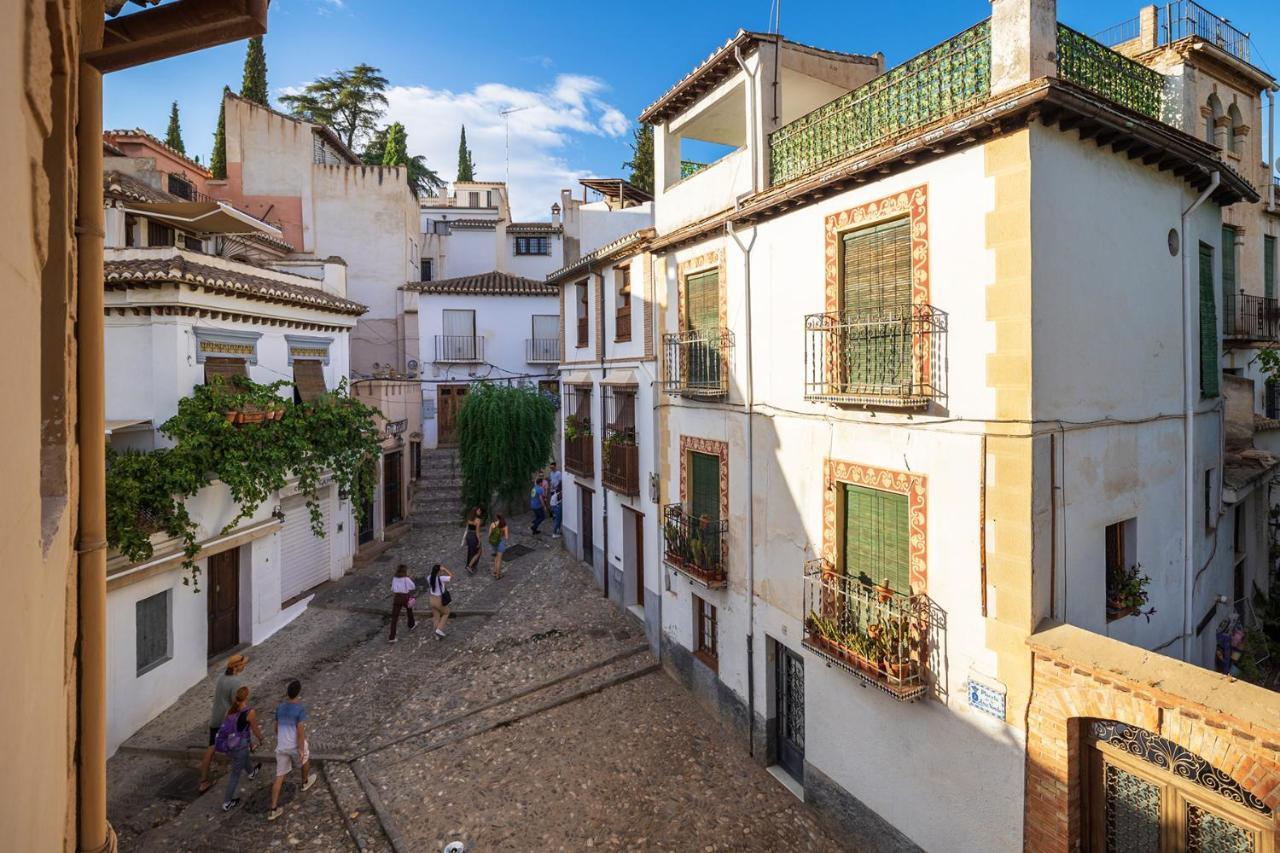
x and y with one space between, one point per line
516 551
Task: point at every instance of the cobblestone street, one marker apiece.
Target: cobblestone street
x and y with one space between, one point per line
541 723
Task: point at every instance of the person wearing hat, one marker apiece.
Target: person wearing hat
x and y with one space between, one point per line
224 693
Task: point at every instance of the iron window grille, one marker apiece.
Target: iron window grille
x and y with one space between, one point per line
696 362
579 440
707 643
1250 318
533 246
621 455
459 349
895 356
696 546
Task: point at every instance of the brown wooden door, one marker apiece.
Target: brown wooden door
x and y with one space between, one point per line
639 523
392 507
224 601
450 399
588 546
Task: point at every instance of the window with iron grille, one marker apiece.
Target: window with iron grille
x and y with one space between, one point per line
426 269
874 547
182 188
154 631
875 302
622 305
533 246
620 404
706 645
195 244
159 235
1269 266
582 405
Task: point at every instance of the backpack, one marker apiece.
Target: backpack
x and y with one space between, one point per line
230 737
495 535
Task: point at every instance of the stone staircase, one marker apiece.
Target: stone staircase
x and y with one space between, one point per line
438 499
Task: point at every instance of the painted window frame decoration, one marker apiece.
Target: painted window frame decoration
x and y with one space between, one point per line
711 447
226 343
914 486
707 261
308 347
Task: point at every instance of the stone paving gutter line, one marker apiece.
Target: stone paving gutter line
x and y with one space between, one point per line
342 813
389 827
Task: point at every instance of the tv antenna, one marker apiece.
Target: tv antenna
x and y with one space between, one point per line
506 121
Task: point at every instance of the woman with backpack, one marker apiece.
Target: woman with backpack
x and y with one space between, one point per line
499 535
472 538
440 597
237 737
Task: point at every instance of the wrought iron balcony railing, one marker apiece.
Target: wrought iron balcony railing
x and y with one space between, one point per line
1250 318
1179 20
696 362
1096 67
621 471
696 546
893 642
542 350
934 85
452 349
894 356
580 452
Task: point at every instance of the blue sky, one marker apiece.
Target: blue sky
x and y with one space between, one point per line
582 70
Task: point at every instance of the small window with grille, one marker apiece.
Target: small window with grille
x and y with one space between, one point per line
706 644
154 631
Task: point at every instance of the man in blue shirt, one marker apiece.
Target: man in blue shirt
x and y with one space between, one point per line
537 503
291 745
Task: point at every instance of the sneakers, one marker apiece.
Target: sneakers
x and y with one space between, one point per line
275 813
413 627
231 804
555 535
439 634
253 773
311 780
392 640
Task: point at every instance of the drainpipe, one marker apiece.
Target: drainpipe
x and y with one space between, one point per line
604 374
1271 147
94 833
1188 419
659 545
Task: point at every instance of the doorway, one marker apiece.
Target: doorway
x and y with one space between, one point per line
365 534
224 601
391 487
449 399
637 521
789 720
588 546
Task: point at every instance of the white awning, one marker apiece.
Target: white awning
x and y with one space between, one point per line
206 217
578 377
127 424
620 377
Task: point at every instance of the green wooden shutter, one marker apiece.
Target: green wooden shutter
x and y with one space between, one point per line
876 537
1269 267
875 304
1229 294
1208 326
877 267
702 300
704 488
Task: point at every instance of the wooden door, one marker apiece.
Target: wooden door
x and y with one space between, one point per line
450 399
224 600
638 519
588 546
392 508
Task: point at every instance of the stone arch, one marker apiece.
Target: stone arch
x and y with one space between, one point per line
1213 114
1237 131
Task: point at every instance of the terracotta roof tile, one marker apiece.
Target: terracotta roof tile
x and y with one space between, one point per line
178 268
114 137
534 228
479 224
485 284
119 185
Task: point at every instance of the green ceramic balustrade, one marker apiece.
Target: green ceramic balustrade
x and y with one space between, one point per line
1093 66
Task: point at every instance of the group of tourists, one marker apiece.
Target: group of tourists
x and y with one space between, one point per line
544 500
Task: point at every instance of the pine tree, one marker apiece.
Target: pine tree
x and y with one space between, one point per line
173 136
466 165
395 151
218 160
254 85
641 162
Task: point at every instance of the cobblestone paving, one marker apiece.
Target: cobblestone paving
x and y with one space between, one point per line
541 723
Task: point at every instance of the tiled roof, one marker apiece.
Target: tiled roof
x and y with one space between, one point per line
180 269
119 185
534 228
626 244
111 136
479 224
485 284
110 150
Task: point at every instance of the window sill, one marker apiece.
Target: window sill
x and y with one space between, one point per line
625 340
710 661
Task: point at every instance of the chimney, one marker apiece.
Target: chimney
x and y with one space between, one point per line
555 214
1024 42
335 276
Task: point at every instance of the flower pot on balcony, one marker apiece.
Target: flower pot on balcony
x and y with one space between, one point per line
232 417
252 417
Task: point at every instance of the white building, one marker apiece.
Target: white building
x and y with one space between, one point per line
469 231
177 311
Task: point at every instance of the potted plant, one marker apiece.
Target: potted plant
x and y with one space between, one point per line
1127 593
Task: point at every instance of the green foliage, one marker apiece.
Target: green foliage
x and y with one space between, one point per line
1127 592
641 162
348 102
218 161
395 152
504 436
147 492
422 179
253 86
575 427
466 164
173 136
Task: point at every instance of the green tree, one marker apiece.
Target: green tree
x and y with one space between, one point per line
422 179
218 160
505 435
395 150
253 86
173 136
641 162
466 164
350 102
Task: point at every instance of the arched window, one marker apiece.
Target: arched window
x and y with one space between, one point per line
1237 130
1212 113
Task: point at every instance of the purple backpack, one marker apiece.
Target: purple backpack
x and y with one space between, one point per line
230 735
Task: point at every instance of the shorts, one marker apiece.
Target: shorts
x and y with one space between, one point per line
500 548
286 759
213 734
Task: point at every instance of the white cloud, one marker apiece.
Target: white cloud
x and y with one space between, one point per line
542 125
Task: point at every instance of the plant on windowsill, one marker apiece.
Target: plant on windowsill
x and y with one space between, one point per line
247 402
1127 593
575 428
618 438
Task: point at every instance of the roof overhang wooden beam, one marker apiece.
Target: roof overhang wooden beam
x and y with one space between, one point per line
175 28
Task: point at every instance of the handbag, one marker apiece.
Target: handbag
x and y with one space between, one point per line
445 598
411 602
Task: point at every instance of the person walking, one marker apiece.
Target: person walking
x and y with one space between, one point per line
224 692
499 535
238 736
402 590
555 477
538 503
557 512
291 745
438 590
472 538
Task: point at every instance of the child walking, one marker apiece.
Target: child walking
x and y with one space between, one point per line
402 589
291 745
237 737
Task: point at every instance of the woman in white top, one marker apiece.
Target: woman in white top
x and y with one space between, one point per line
402 589
440 597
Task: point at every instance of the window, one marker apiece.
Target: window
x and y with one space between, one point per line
1212 112
308 380
154 631
622 302
458 343
426 270
704 485
582 405
1270 402
159 235
473 199
877 267
1237 130
545 343
705 644
533 246
582 313
226 368
1120 556
1228 277
182 188
441 228
875 542
622 408
195 244
702 300
1269 267
1208 326
130 230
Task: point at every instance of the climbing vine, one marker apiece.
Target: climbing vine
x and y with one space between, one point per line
252 440
505 435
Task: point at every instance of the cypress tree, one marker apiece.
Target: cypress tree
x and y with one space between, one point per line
641 162
466 166
173 136
218 161
396 150
254 85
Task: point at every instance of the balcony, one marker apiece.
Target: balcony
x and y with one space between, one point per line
696 547
1092 65
1179 20
542 350
1250 318
621 464
459 349
579 450
893 642
893 357
696 362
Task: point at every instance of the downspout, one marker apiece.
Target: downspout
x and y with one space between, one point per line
1188 419
604 374
748 409
93 831
659 545
1271 147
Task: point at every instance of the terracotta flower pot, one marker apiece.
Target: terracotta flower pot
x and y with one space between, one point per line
232 417
252 417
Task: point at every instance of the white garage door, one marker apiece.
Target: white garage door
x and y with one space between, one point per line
305 557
